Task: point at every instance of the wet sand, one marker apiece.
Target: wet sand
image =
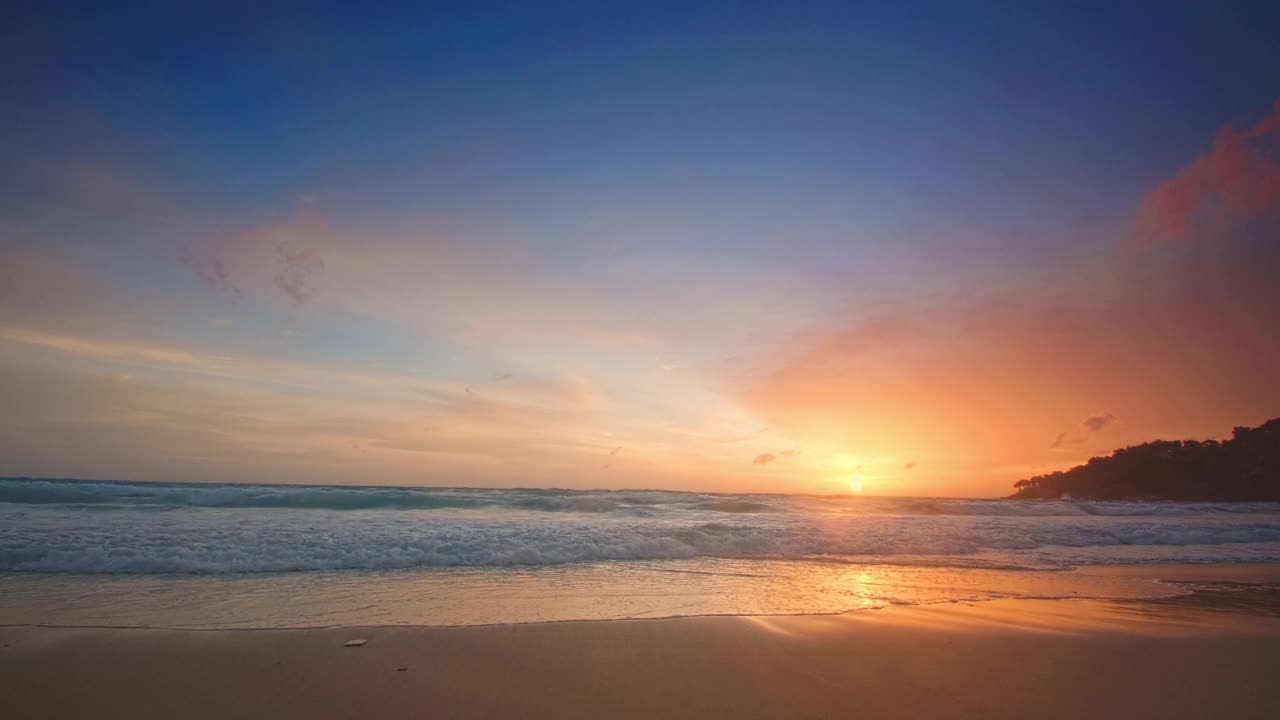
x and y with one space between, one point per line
998 659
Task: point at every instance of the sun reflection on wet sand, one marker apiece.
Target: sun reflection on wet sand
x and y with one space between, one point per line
571 592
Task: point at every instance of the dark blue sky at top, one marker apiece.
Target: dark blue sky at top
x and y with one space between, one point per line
893 119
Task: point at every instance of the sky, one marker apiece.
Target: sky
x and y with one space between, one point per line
927 249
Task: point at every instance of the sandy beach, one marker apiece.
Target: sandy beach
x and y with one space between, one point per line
1004 658
693 360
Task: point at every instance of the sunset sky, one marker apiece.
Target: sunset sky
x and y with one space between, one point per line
733 247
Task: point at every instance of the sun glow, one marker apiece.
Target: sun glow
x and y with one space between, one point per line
855 485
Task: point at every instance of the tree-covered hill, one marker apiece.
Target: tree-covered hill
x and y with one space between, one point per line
1246 467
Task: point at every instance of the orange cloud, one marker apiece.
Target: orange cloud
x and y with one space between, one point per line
1237 180
1087 427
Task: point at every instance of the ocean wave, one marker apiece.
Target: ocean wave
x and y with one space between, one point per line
21 491
733 506
314 497
55 526
1069 508
64 492
68 539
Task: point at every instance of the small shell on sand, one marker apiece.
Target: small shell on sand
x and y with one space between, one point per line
355 643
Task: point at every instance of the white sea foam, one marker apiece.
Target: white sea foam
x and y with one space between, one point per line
134 528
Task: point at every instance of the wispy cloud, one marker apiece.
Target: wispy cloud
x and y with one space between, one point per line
769 457
1097 421
1082 432
181 359
281 256
298 268
209 268
1238 179
135 351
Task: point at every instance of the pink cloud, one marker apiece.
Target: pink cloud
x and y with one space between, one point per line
283 256
1237 180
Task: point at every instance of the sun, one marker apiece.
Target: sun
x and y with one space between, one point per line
855 484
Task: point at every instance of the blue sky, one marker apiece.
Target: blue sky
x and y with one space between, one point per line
649 216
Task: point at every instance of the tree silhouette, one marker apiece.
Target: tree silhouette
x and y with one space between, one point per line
1246 467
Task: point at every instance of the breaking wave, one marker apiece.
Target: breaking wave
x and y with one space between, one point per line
24 491
55 526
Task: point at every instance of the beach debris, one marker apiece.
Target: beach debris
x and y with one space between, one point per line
355 643
403 669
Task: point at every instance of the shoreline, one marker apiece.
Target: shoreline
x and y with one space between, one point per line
996 658
1170 584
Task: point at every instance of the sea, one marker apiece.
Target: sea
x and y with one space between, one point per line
130 554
